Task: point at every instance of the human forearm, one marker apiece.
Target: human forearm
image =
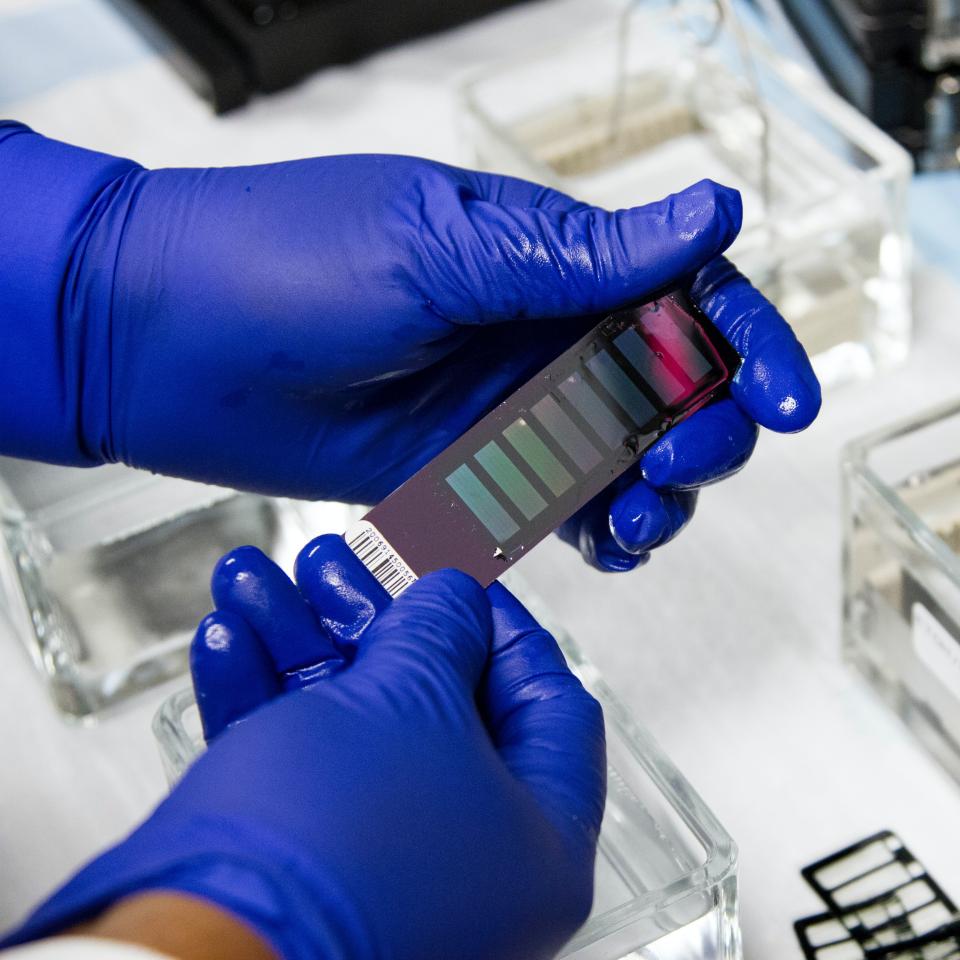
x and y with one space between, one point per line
177 926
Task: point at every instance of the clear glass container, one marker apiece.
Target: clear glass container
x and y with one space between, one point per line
666 878
104 573
664 98
901 569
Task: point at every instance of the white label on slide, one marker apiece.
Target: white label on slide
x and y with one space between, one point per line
936 647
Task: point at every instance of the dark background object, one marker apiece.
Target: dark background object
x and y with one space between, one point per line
230 49
898 61
881 905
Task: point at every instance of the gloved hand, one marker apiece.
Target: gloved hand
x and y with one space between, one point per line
322 328
439 795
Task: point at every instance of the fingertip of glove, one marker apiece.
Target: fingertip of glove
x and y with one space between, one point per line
328 560
245 580
221 641
638 521
319 550
798 411
776 385
786 398
657 464
231 670
214 633
710 205
714 443
344 595
613 560
239 560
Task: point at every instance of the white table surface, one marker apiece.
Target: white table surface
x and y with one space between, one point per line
726 645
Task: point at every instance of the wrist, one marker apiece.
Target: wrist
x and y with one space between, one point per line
62 213
263 880
177 926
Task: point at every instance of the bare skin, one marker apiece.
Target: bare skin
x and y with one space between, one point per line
179 926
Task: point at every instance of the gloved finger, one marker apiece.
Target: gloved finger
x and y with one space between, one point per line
643 518
435 636
588 531
775 384
249 584
516 262
343 594
546 727
714 443
232 671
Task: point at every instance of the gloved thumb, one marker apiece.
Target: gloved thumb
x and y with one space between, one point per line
514 262
435 637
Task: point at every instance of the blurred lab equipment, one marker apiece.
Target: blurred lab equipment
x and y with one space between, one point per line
901 572
666 871
898 61
228 50
669 94
104 573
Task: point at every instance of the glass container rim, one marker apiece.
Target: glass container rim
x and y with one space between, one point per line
891 161
720 850
854 464
131 482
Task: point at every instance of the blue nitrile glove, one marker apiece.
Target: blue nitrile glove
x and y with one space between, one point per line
322 328
438 796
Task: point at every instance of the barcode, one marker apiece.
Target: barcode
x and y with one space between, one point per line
379 558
